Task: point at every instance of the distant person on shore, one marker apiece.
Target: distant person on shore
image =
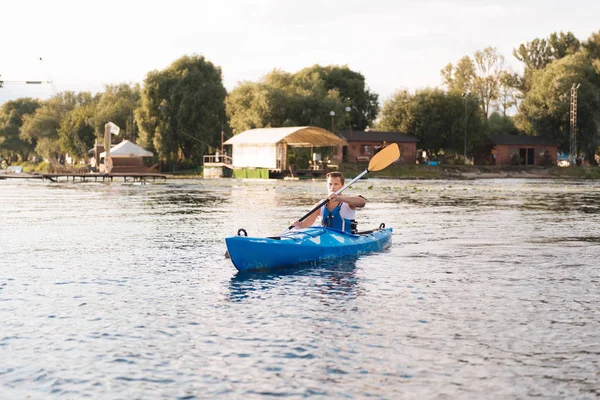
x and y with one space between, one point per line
340 212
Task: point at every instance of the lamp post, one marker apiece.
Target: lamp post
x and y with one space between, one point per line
332 113
349 117
464 95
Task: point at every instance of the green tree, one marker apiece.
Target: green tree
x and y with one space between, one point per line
534 55
304 98
498 124
76 132
538 53
261 105
353 92
312 101
41 128
182 109
508 96
436 118
545 110
592 46
11 119
481 76
396 113
459 78
117 104
563 44
488 78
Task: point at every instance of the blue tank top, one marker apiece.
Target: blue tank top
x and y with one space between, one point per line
333 219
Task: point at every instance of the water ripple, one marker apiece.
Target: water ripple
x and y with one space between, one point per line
118 291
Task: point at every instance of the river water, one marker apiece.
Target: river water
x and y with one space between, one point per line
118 291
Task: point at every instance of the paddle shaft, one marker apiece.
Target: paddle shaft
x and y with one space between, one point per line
325 201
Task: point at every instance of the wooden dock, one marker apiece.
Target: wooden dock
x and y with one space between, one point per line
90 177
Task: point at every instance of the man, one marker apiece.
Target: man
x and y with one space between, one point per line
339 213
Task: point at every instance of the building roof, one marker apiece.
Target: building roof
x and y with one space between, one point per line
522 140
127 149
376 136
297 136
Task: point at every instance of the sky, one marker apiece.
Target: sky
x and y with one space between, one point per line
395 44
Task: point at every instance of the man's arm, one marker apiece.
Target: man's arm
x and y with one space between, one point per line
308 221
352 201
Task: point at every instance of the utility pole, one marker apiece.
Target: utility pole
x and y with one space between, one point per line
573 119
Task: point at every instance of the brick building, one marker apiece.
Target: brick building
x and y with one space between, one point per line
363 145
523 149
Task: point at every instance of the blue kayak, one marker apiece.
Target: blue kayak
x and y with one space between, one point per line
303 245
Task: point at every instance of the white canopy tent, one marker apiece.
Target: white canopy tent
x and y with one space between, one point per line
267 147
127 149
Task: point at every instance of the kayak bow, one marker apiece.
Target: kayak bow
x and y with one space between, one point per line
303 245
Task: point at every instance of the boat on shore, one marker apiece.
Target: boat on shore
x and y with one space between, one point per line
303 245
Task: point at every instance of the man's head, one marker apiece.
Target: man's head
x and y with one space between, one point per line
335 181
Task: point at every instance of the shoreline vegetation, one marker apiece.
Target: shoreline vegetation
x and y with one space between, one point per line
470 172
415 172
488 172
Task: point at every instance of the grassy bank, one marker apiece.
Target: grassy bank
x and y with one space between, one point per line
416 171
474 172
30 167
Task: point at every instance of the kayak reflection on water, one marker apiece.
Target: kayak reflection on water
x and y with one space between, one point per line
332 278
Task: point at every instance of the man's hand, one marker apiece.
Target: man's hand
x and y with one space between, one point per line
297 224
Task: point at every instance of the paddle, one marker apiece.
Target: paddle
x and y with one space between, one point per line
379 161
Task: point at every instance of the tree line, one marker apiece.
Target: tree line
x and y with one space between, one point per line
480 92
179 112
